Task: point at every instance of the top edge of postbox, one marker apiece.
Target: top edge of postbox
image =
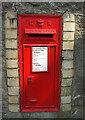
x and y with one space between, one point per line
38 15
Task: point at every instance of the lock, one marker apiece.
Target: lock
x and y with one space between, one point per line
29 80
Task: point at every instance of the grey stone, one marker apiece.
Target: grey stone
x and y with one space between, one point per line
13 82
66 107
13 90
11 15
67 64
68 35
68 45
66 82
77 112
14 108
68 17
67 73
65 99
65 91
68 26
12 72
67 54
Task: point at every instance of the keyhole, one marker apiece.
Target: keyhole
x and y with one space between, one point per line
30 79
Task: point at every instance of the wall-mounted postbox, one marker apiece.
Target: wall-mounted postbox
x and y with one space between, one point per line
39 62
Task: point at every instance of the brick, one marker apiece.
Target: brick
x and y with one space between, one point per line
68 17
68 35
67 73
11 34
12 72
68 45
66 99
67 54
66 107
13 99
11 15
11 23
67 64
66 82
11 54
12 63
11 44
13 82
66 91
14 108
13 90
68 26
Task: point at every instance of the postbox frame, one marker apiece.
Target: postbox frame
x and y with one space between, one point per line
57 68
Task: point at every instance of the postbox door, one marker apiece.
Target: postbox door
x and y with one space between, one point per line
39 85
40 71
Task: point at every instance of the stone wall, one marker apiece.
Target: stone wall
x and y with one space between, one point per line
0 60
11 107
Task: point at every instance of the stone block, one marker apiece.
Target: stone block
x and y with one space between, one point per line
68 35
12 72
66 91
11 54
67 54
68 45
65 99
13 99
13 82
66 107
12 63
13 90
67 73
66 82
11 44
11 33
68 17
67 64
14 108
11 15
69 26
11 23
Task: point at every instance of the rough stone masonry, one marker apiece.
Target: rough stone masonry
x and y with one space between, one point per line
70 33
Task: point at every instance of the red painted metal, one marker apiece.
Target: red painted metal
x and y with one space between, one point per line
39 90
40 31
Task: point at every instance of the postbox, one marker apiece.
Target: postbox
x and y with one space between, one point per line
39 62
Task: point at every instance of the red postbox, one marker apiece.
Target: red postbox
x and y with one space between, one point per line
39 62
